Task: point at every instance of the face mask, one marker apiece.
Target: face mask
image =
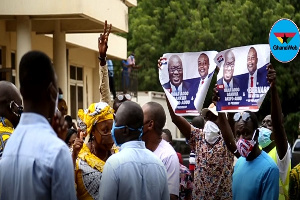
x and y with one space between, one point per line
121 127
245 146
60 96
211 132
264 137
56 104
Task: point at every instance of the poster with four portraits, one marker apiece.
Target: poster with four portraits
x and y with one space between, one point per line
241 82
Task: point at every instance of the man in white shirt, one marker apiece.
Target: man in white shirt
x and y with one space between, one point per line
154 121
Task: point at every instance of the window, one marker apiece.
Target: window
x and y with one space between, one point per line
76 89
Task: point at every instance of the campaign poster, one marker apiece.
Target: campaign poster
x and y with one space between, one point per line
242 79
185 78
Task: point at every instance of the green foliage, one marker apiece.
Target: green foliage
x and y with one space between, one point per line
161 26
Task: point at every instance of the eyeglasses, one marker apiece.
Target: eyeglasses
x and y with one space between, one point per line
124 97
16 109
267 122
102 132
178 69
229 65
245 116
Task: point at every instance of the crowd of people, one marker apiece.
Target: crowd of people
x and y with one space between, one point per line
124 152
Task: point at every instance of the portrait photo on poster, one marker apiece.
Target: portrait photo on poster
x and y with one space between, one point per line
242 79
185 78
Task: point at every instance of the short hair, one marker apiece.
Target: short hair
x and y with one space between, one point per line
198 122
168 133
60 91
35 74
131 115
253 49
157 114
227 52
254 119
70 132
203 54
68 119
174 57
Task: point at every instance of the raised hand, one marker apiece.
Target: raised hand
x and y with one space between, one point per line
159 62
271 76
102 43
78 143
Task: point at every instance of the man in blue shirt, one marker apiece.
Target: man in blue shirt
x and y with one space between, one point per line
255 174
36 164
125 76
134 173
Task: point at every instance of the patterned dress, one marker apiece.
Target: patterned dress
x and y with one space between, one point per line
186 183
213 170
88 173
6 129
294 187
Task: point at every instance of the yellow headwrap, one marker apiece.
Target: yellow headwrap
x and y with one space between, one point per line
97 112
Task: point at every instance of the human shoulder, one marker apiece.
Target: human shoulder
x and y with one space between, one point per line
220 81
167 85
167 146
269 162
164 150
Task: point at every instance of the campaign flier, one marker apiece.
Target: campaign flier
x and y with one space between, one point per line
185 78
242 79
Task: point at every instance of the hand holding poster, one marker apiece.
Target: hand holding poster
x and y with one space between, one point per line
185 78
242 79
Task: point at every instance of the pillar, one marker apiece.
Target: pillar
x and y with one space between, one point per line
60 58
23 41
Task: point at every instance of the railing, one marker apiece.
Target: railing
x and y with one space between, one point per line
126 82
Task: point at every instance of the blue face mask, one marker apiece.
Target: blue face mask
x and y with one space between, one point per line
114 127
264 138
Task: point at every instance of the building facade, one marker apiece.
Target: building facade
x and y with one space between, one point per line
67 31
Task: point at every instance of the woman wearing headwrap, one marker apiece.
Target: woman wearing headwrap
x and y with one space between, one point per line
90 160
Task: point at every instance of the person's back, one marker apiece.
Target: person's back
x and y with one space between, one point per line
165 152
33 160
36 164
134 173
137 172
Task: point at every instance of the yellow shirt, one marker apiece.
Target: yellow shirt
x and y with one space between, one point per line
6 129
283 187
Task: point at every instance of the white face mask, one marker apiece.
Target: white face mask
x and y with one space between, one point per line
211 132
56 104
